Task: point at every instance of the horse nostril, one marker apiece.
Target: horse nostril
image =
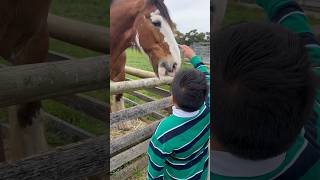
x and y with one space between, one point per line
168 66
174 66
163 64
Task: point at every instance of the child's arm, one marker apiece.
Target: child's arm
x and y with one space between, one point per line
195 61
288 14
197 64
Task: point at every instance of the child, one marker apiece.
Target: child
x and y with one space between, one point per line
179 147
266 114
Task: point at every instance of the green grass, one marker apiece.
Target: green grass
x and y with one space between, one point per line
90 11
78 118
71 50
93 12
139 60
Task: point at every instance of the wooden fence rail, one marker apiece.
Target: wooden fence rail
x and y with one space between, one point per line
75 161
139 111
86 104
155 90
125 86
139 73
128 155
127 141
85 35
154 114
25 83
80 102
67 128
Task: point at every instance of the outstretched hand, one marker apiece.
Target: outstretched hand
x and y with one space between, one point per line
187 51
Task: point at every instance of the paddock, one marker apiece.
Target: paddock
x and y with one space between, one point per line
128 151
62 79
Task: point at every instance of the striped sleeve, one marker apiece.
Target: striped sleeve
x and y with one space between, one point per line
290 15
157 156
198 64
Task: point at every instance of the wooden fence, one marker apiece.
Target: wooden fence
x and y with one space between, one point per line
128 152
61 79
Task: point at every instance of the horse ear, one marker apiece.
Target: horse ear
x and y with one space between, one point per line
150 8
155 1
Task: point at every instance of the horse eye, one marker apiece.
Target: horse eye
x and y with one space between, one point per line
157 23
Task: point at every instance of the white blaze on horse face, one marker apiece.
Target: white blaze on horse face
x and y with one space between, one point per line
169 38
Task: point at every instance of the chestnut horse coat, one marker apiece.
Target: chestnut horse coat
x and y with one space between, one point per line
24 40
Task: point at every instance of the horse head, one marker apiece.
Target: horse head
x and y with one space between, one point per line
155 37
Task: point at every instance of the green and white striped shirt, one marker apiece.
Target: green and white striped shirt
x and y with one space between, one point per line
179 147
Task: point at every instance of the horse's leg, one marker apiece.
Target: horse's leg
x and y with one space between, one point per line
117 102
26 127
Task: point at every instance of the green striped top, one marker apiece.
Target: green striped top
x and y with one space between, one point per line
301 161
178 148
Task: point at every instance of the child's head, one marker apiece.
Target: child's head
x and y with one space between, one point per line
189 90
263 89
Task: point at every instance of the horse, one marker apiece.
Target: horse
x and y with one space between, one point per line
24 39
147 25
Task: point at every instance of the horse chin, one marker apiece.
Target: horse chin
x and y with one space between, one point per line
162 72
171 74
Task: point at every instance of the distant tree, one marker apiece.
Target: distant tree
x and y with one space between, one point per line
192 37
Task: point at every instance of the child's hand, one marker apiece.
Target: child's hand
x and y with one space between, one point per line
187 51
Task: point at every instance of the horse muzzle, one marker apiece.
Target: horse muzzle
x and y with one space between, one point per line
167 68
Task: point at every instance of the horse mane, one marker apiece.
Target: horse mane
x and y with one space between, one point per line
159 4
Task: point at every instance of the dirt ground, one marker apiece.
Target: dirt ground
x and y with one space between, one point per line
126 128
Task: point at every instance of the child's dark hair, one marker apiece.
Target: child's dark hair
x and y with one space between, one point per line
263 89
189 89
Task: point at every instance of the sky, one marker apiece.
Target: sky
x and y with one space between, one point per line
190 14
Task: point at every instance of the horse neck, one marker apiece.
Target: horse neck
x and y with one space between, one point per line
119 42
122 26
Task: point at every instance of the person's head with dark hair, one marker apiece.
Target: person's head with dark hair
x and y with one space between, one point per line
263 89
189 90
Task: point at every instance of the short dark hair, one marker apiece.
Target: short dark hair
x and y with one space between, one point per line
189 89
263 89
